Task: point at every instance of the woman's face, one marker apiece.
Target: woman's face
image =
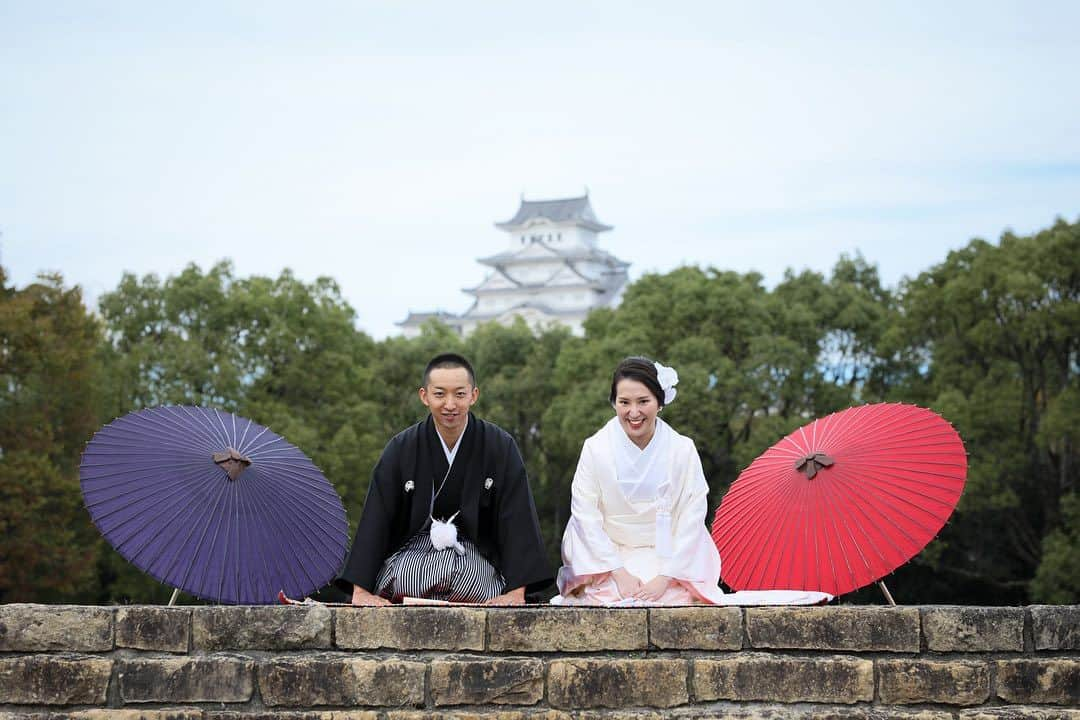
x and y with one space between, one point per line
636 408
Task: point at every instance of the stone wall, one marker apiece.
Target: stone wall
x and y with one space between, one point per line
232 663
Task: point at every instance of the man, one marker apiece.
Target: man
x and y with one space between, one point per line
449 514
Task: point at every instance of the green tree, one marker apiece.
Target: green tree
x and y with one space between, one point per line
1057 579
48 409
172 342
848 318
1000 328
310 374
516 374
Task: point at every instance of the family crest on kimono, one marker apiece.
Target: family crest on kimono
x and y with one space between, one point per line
449 515
636 534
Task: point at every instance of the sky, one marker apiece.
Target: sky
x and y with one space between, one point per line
378 142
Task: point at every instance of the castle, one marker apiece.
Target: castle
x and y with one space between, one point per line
550 272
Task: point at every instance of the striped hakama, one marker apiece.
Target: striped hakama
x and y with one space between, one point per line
418 570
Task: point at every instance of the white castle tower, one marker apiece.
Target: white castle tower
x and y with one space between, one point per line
550 272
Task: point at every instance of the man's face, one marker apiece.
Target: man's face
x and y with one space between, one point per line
449 395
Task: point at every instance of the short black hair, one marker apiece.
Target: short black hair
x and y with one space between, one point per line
448 360
643 370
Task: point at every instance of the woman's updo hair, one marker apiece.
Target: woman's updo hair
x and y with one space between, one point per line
642 370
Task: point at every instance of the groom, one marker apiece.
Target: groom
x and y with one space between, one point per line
451 474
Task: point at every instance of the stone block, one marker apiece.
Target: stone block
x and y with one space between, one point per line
129 714
1056 627
696 628
973 629
950 682
409 628
1028 712
645 715
587 683
757 676
294 715
680 713
341 680
761 711
871 713
295 627
54 680
567 629
148 627
889 629
212 678
63 628
1046 680
502 681
465 714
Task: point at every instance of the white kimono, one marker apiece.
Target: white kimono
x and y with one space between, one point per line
644 510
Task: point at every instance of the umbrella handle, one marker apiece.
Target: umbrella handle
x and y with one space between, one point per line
175 594
888 595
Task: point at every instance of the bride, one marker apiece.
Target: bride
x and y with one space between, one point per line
636 534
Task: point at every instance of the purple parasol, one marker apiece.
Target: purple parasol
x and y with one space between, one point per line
213 504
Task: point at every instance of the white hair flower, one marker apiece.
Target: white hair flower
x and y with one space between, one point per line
668 379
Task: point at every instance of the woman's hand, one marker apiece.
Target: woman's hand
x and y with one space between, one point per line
363 598
654 589
626 583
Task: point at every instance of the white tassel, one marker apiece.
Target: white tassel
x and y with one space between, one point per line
444 535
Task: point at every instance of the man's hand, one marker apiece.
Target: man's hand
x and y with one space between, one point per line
514 597
628 584
363 598
654 589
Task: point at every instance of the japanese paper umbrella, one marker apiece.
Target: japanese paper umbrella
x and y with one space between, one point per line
213 504
841 502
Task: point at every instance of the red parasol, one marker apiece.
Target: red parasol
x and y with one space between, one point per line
841 502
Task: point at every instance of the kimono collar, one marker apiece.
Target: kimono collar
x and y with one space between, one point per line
451 454
641 473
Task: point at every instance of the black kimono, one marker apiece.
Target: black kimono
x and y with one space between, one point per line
487 483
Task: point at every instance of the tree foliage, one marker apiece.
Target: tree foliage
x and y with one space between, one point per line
1000 326
48 407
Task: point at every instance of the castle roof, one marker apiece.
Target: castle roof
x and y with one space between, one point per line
540 252
576 211
470 314
418 318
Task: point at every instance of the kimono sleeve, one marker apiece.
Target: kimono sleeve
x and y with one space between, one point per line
694 556
586 547
522 560
371 546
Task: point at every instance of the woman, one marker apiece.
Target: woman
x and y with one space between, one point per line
636 533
